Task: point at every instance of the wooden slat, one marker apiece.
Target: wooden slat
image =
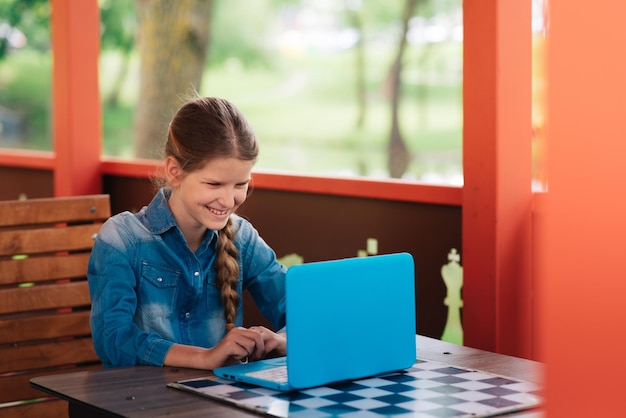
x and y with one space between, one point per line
44 295
43 268
44 327
62 295
46 240
18 386
32 357
54 210
51 408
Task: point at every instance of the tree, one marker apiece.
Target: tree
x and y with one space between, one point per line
398 157
173 41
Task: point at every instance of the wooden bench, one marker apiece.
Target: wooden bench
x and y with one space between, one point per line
44 296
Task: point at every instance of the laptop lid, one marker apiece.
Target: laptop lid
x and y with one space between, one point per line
346 319
350 318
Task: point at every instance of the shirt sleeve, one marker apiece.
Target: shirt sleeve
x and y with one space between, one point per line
263 275
118 341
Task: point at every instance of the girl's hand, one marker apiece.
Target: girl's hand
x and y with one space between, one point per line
274 345
240 344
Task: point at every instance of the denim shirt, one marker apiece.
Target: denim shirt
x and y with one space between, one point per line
149 290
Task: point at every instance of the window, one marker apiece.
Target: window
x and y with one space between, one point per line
315 79
25 75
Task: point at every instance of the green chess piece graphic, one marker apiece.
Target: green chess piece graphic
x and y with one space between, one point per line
291 260
452 274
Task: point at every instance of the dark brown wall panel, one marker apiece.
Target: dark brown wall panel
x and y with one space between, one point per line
128 193
316 227
321 227
32 183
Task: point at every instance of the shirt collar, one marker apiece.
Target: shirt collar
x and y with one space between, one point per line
160 217
158 214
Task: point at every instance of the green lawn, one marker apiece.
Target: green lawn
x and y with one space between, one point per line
303 109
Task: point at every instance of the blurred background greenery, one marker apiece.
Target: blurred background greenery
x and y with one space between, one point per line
293 68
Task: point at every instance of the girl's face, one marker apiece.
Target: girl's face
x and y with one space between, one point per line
205 198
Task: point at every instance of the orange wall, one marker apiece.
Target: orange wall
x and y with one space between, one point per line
77 130
583 287
497 197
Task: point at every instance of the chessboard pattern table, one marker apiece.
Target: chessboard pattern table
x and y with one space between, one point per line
429 389
142 392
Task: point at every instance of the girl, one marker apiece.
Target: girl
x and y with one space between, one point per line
166 283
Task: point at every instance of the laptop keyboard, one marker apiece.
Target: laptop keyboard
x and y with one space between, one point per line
274 374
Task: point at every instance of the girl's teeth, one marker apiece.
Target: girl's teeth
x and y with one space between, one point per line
218 212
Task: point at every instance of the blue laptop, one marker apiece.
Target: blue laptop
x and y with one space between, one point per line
346 319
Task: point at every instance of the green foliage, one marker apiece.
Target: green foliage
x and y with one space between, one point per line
31 17
118 131
302 102
25 88
118 24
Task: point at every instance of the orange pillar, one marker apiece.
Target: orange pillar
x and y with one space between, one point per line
497 197
77 133
583 284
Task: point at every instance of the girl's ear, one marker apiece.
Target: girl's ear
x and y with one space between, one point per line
173 171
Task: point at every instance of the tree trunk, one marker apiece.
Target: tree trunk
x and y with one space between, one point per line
399 157
173 39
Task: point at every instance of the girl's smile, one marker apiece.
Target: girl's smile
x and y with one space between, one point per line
205 198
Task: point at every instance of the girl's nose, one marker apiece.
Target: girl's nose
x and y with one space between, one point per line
227 198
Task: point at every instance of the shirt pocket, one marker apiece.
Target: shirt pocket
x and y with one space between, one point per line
158 290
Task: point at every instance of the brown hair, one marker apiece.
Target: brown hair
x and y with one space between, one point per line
203 129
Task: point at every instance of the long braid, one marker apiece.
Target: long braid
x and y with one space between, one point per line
227 270
204 129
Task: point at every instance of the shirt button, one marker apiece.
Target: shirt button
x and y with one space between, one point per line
187 315
197 273
159 279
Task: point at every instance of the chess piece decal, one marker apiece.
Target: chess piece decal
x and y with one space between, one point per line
452 274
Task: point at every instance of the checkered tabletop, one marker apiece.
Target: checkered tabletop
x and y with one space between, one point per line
427 390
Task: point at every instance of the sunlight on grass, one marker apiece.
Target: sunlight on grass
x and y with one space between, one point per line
304 110
305 116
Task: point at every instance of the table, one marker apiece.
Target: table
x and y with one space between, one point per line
141 392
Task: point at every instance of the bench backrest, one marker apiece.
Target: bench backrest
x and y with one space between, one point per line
44 296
